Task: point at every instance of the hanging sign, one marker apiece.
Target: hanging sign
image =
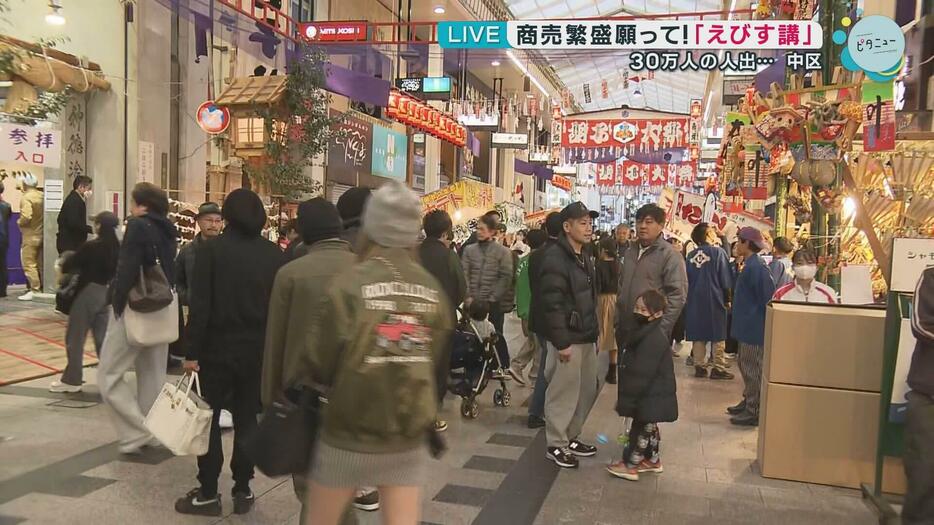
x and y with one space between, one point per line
878 116
625 172
426 88
343 31
212 118
30 145
509 140
694 129
637 134
560 182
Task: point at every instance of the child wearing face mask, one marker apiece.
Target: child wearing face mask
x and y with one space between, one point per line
805 288
647 390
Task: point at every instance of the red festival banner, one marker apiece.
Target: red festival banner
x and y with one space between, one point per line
634 134
628 173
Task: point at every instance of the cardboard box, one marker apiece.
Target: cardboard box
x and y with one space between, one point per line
823 435
824 346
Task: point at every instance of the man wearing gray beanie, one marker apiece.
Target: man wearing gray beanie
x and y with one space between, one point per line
384 324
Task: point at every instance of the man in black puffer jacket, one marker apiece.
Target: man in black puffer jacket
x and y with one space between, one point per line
569 302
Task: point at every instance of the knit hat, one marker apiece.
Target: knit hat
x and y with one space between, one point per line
243 210
318 220
393 216
351 204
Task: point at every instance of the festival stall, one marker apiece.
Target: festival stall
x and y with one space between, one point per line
465 201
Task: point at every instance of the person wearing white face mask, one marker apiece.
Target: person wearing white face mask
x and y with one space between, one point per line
805 288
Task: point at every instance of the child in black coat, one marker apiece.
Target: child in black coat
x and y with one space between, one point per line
647 391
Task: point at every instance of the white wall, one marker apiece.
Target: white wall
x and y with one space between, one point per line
95 31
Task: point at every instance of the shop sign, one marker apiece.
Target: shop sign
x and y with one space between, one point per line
350 154
426 88
560 182
463 194
694 129
343 31
736 86
421 116
485 121
30 145
565 170
635 134
628 173
910 257
541 155
509 140
878 116
212 118
390 153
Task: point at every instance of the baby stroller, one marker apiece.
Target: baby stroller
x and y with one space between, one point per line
472 364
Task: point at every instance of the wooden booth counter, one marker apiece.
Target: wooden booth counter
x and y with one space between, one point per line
821 382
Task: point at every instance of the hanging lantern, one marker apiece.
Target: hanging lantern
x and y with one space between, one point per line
392 107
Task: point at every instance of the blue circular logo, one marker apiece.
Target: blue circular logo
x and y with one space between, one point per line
876 43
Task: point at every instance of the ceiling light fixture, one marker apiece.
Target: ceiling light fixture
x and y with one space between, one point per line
495 63
55 18
525 71
439 10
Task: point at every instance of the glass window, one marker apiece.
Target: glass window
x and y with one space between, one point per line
302 10
249 130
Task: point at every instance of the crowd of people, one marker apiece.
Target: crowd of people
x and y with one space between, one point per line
360 300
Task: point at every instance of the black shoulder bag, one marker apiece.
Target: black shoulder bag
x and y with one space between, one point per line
286 435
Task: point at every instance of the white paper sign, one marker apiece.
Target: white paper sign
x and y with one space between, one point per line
30 145
909 259
856 284
54 194
147 162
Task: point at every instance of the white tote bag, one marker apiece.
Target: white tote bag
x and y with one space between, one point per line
154 328
180 419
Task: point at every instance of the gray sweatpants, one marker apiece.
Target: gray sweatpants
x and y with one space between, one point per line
89 312
572 391
919 460
750 366
129 408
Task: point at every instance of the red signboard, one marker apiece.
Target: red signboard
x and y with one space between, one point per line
629 173
343 31
561 182
639 134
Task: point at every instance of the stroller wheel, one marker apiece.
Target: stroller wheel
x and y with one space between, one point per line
506 398
474 409
498 397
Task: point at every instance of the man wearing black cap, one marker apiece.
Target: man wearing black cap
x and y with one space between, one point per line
570 330
293 307
210 225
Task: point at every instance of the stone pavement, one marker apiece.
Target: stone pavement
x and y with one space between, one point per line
60 465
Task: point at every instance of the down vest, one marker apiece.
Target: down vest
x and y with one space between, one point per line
568 296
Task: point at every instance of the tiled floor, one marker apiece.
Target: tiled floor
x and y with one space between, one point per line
60 465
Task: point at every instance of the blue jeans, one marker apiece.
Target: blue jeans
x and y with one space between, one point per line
537 403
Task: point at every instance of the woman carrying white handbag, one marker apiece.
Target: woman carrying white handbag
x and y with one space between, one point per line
141 323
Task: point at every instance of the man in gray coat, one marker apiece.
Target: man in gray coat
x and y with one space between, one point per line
650 263
488 271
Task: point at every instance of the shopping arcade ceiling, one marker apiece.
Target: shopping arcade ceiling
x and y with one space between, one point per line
667 91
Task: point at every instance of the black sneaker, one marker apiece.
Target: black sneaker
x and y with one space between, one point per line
195 503
562 457
721 374
243 501
700 371
611 374
536 422
582 449
367 500
737 409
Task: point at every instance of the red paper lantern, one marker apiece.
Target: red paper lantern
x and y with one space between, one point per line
392 107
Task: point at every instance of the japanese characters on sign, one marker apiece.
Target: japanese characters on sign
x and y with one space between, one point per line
669 34
563 183
351 153
625 172
694 128
75 127
31 145
910 257
637 133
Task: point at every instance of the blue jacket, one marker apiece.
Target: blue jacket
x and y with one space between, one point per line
709 280
754 290
780 270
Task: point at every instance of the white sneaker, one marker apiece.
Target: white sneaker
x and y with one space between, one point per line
64 388
226 419
26 296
